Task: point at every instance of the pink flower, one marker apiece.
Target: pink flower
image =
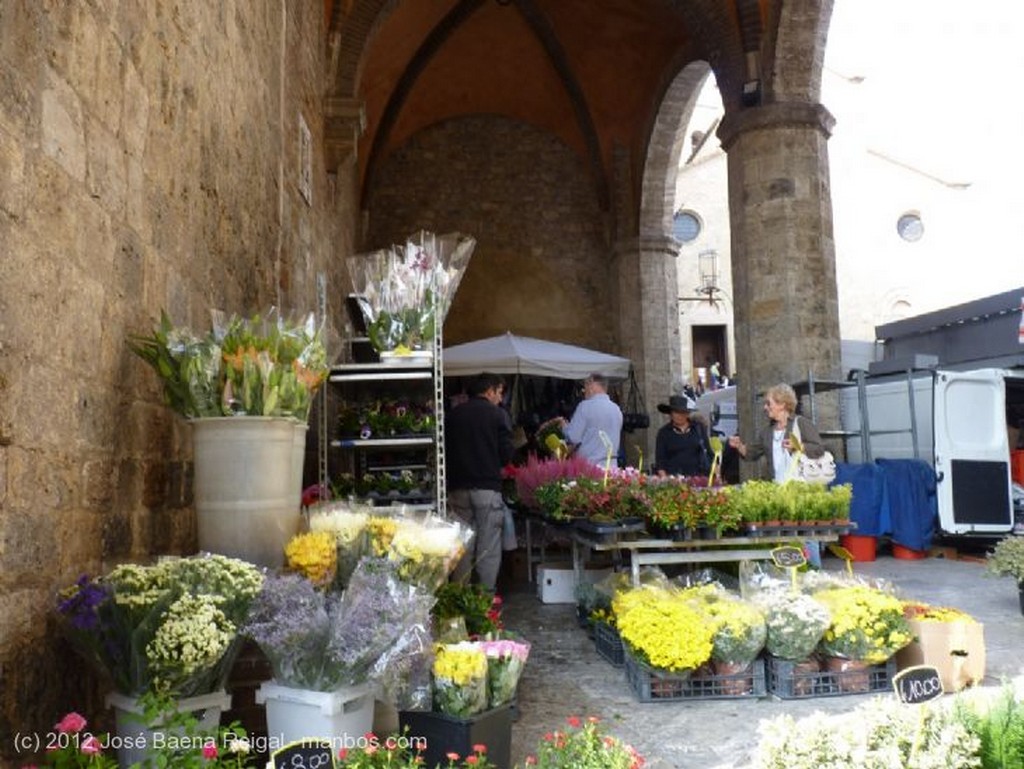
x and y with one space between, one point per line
72 723
91 746
574 721
452 756
209 751
480 748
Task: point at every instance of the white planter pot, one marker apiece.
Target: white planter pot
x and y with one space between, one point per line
248 485
342 716
136 738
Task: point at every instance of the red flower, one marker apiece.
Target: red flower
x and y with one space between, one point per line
574 721
209 751
72 723
342 754
90 746
480 748
472 760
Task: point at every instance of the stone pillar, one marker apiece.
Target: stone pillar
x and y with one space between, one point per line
783 252
646 309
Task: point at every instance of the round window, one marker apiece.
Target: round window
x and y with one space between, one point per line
686 226
910 227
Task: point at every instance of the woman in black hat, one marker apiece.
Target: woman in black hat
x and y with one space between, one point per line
681 446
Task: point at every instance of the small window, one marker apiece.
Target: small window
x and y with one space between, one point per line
686 226
910 227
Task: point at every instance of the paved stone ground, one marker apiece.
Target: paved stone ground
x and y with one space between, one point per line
565 676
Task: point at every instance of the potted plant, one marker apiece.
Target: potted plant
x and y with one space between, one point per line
584 745
1007 560
248 472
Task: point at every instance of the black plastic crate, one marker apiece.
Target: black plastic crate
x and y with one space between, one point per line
798 680
445 734
609 643
650 685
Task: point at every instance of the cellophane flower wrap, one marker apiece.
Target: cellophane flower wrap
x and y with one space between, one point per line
348 524
665 628
170 628
425 551
460 679
740 630
506 659
322 641
405 291
266 365
796 623
867 624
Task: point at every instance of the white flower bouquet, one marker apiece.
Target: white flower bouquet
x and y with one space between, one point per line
170 628
404 292
796 623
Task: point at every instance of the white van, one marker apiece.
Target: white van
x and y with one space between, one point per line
718 407
960 422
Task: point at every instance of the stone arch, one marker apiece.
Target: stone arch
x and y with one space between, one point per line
799 26
661 166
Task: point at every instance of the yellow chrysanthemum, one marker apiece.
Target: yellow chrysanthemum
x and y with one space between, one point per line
314 555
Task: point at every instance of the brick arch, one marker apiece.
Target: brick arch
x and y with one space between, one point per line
348 41
657 196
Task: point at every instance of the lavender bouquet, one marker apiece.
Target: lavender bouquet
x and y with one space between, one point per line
323 642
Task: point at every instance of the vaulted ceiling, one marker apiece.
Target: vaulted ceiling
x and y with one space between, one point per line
591 72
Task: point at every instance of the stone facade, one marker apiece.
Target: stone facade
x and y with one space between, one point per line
149 159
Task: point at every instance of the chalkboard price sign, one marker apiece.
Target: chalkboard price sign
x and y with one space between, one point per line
918 684
788 557
307 754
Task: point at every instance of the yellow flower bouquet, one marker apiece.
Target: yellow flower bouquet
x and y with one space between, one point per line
314 555
664 628
348 525
867 624
460 679
740 630
426 551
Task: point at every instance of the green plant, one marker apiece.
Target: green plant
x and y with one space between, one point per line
70 746
584 745
186 744
473 602
1007 559
999 727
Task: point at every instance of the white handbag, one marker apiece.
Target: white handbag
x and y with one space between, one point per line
821 470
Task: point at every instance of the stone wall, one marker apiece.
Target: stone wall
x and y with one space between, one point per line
149 157
541 265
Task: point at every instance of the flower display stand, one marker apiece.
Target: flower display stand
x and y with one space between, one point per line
650 685
813 678
443 734
293 715
135 737
248 485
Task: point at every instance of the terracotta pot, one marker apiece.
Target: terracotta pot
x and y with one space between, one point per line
805 676
736 682
852 675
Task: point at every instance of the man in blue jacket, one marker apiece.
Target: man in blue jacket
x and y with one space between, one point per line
478 438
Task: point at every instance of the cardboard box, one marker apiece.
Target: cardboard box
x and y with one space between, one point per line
556 582
955 649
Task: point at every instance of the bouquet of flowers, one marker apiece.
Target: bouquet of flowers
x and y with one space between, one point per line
171 628
347 524
664 628
867 624
321 642
405 291
505 662
314 555
460 679
740 630
260 366
584 745
426 551
796 623
479 608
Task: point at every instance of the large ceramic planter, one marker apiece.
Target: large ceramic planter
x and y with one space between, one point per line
136 738
248 485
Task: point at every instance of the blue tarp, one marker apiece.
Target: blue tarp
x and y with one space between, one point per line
867 506
894 497
911 500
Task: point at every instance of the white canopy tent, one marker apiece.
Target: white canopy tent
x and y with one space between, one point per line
511 354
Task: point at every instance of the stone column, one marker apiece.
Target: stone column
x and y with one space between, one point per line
646 309
783 252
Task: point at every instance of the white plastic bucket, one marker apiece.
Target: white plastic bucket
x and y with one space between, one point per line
248 485
136 738
293 715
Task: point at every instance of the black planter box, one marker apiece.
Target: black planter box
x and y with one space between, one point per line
443 734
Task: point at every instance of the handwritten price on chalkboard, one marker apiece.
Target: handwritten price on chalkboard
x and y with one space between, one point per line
304 755
788 557
918 684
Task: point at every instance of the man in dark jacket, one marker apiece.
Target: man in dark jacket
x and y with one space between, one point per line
478 440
